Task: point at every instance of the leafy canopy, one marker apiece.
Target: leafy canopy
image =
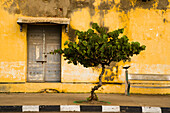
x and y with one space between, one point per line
97 46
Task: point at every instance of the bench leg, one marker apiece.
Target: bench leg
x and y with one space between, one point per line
127 83
127 89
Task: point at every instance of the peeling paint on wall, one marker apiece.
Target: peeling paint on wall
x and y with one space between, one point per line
12 71
76 5
127 5
63 8
47 8
71 34
4 88
162 4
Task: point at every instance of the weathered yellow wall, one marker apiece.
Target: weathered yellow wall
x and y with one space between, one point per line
12 49
154 33
76 88
147 23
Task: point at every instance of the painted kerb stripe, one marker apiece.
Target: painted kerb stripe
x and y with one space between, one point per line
110 109
30 108
151 110
133 109
49 108
10 108
165 110
84 108
69 108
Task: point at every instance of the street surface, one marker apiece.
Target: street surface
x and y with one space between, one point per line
68 99
126 103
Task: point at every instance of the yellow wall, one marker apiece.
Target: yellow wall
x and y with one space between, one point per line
13 49
150 26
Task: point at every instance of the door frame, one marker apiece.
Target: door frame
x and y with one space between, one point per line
43 81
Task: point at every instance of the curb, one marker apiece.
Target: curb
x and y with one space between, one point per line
84 108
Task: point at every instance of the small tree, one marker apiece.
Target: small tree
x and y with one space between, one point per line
96 47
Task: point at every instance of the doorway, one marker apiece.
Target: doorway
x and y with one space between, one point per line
42 66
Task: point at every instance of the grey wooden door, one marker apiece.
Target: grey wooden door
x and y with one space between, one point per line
41 65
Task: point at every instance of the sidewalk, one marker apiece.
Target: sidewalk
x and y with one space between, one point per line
19 99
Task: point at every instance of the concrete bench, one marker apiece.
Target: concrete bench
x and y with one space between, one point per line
156 81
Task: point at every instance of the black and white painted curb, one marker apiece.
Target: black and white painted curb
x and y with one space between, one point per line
84 108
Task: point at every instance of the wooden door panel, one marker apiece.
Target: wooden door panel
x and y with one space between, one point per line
35 47
53 67
41 65
53 64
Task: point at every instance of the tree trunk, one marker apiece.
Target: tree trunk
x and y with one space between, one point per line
99 85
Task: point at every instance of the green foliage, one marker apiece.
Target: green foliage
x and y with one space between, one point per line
97 46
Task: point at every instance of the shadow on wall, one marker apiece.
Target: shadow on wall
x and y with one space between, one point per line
71 34
111 72
48 90
4 88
